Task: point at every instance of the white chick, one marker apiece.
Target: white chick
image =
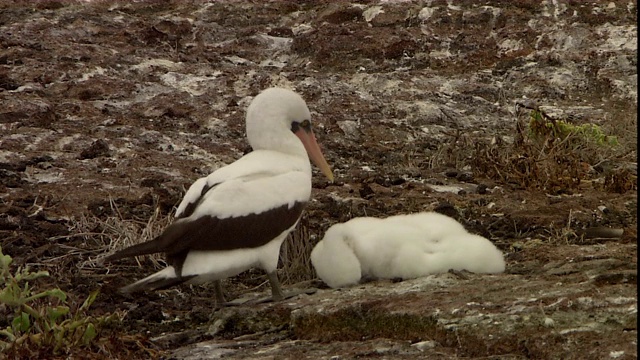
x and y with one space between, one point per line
402 246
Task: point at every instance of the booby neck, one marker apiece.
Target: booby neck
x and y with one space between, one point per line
285 142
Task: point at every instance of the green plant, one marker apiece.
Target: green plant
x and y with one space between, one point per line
549 154
541 126
39 324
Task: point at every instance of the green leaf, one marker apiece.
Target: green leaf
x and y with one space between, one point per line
59 338
89 334
57 293
8 296
36 339
27 275
92 297
21 322
8 333
31 311
5 260
54 313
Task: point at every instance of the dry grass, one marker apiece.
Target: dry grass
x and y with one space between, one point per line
453 153
117 232
563 235
295 255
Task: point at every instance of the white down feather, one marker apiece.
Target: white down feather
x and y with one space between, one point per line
403 246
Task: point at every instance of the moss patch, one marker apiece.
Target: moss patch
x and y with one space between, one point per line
363 322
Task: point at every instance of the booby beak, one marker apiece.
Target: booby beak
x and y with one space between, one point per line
313 150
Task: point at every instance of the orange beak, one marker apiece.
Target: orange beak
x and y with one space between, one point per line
314 152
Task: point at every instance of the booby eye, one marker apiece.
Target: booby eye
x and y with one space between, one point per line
305 125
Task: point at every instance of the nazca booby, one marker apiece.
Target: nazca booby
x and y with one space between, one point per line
402 246
237 217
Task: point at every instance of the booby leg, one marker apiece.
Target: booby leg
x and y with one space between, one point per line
217 288
276 290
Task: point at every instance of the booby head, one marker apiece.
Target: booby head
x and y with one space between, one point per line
274 117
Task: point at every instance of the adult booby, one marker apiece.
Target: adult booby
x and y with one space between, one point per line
237 217
402 246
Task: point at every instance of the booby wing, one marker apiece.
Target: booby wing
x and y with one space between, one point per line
243 205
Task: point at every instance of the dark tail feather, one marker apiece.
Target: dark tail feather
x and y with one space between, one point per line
169 242
158 281
147 247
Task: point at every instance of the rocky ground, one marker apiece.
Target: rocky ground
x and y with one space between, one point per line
109 110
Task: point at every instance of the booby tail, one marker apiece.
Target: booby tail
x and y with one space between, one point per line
163 279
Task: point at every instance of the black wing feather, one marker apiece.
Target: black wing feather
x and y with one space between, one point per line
210 233
191 207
